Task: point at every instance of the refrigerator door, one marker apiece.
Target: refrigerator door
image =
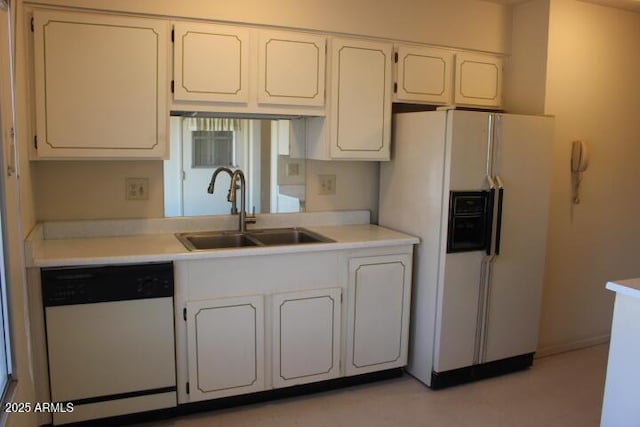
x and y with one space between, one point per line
457 326
411 201
467 150
523 162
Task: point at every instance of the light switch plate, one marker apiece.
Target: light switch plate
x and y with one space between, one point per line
137 188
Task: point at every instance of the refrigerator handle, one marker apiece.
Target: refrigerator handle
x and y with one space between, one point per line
490 138
499 221
488 218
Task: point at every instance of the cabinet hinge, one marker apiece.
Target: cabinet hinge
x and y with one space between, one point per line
172 85
184 313
173 35
395 57
35 141
340 298
187 387
395 88
32 25
12 133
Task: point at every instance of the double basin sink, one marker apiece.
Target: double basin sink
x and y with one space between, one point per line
207 240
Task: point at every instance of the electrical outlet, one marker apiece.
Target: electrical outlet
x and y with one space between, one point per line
327 185
137 188
293 169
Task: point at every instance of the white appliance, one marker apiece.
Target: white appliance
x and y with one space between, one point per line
110 340
474 186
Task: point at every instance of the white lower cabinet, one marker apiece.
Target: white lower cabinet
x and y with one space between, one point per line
276 321
225 339
378 324
306 336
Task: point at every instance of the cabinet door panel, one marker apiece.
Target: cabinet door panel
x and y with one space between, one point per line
291 69
379 296
211 63
478 80
101 86
306 331
424 75
225 347
361 100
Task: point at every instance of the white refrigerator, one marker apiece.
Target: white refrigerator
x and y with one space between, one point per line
474 186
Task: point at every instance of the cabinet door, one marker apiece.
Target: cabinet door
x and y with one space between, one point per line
360 100
291 69
478 80
225 342
424 74
101 85
210 63
306 336
379 298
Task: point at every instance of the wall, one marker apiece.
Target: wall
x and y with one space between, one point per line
356 186
95 189
525 74
592 88
67 190
469 24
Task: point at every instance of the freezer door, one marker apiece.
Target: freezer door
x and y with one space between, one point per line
523 163
457 323
467 147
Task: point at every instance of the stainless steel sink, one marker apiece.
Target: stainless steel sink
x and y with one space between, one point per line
215 240
287 236
208 240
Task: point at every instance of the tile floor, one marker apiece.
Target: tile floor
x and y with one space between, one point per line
563 390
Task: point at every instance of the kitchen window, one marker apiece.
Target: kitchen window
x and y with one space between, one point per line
213 148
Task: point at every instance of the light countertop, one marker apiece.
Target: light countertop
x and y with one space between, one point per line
629 287
166 247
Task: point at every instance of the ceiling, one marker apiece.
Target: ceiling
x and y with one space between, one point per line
633 5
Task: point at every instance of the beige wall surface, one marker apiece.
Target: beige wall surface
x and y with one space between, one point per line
526 66
592 89
469 24
356 186
95 189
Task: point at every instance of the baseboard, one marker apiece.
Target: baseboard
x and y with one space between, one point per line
575 345
481 371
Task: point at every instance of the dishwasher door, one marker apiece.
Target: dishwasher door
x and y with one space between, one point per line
113 357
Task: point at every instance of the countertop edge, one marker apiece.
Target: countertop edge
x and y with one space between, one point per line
367 236
629 287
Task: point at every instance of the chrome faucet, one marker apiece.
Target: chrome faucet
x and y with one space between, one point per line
243 219
236 176
231 196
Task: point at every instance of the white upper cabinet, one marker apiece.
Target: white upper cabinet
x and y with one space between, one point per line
361 100
423 75
211 63
478 80
233 69
101 85
291 68
358 126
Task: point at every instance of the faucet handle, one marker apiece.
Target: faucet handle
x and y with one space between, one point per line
251 219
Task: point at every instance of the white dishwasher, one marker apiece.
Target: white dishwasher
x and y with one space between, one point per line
110 339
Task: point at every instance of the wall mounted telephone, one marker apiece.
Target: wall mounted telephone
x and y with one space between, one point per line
579 164
579 156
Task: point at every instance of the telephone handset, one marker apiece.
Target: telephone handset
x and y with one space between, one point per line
579 156
579 164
